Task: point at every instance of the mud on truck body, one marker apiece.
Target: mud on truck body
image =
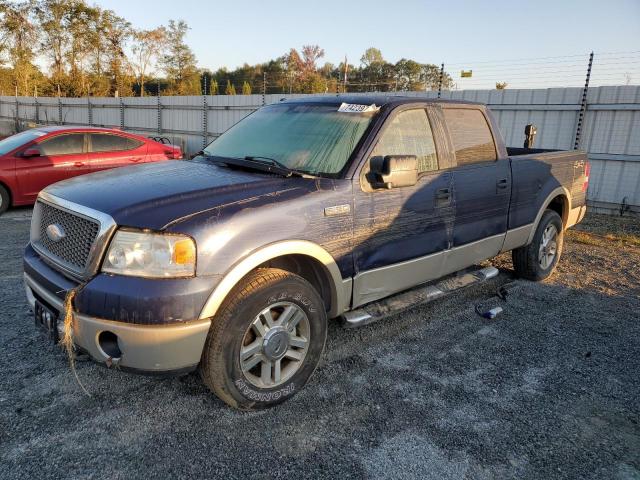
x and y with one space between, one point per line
307 210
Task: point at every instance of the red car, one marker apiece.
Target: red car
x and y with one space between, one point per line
33 159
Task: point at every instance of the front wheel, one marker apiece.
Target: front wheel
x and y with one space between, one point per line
266 340
538 260
4 199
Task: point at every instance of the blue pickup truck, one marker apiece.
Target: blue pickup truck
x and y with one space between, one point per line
233 262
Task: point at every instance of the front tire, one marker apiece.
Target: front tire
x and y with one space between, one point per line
538 260
266 340
5 199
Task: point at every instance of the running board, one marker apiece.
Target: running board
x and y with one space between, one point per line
401 301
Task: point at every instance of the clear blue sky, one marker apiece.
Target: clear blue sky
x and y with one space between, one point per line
230 33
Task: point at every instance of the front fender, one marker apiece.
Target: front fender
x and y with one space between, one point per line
340 289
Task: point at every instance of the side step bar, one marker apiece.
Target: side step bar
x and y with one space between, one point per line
388 306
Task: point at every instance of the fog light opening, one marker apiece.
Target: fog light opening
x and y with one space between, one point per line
108 343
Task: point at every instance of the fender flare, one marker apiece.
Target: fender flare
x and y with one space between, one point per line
340 289
559 191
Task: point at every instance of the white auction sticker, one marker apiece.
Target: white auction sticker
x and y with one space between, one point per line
356 108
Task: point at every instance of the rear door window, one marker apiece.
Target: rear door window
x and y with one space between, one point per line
409 133
470 134
104 142
63 145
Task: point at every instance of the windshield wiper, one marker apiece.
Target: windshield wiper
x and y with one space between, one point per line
278 165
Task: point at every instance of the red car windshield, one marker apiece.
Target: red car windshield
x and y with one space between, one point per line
15 141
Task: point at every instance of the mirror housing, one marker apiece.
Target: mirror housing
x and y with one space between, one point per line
31 152
393 171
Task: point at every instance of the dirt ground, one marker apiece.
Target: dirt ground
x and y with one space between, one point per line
548 389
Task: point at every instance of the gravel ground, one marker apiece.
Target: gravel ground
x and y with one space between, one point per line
549 389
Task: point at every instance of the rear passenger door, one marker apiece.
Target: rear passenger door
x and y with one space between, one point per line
482 188
400 233
107 150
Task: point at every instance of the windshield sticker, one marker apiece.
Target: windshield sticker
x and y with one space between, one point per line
356 108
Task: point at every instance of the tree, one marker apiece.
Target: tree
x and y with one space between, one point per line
230 90
371 56
310 55
246 88
179 62
501 85
214 89
19 40
146 49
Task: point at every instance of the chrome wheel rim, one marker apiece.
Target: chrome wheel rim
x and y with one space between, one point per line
548 246
275 345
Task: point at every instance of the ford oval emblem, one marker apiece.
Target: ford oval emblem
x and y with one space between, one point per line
55 232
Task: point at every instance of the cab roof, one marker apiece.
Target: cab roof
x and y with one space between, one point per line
381 100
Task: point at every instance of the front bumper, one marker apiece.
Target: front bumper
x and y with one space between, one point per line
163 348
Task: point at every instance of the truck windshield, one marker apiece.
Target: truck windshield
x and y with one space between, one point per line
14 141
315 139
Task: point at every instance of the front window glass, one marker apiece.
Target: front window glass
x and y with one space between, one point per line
409 133
63 145
15 141
310 138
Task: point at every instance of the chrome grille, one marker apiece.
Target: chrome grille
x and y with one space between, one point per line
74 249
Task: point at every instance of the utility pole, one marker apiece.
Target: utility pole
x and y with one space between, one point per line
583 104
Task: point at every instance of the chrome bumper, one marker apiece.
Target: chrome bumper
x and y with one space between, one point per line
148 348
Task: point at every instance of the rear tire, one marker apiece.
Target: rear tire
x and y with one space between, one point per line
5 199
538 260
265 341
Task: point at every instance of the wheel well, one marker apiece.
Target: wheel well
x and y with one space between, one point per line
560 205
308 268
8 190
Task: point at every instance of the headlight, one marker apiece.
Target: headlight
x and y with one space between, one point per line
142 254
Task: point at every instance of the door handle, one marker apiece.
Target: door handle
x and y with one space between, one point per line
78 164
443 194
502 183
137 159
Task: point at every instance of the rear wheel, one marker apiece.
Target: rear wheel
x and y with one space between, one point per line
266 340
538 260
4 199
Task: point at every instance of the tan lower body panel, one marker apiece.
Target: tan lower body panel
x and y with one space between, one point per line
152 348
576 215
381 282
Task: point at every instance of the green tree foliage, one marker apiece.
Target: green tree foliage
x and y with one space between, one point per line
88 50
179 62
19 41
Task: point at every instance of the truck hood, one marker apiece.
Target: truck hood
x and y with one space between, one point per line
157 194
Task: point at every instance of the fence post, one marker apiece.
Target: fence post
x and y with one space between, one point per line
59 109
35 99
121 114
159 111
17 107
583 104
205 115
440 79
89 112
264 88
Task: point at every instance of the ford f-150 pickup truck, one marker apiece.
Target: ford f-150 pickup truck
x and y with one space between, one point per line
306 210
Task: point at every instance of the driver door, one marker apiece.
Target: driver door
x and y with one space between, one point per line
61 157
400 233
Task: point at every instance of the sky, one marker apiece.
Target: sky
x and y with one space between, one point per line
459 33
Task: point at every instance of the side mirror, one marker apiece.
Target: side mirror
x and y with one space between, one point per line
31 152
394 171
